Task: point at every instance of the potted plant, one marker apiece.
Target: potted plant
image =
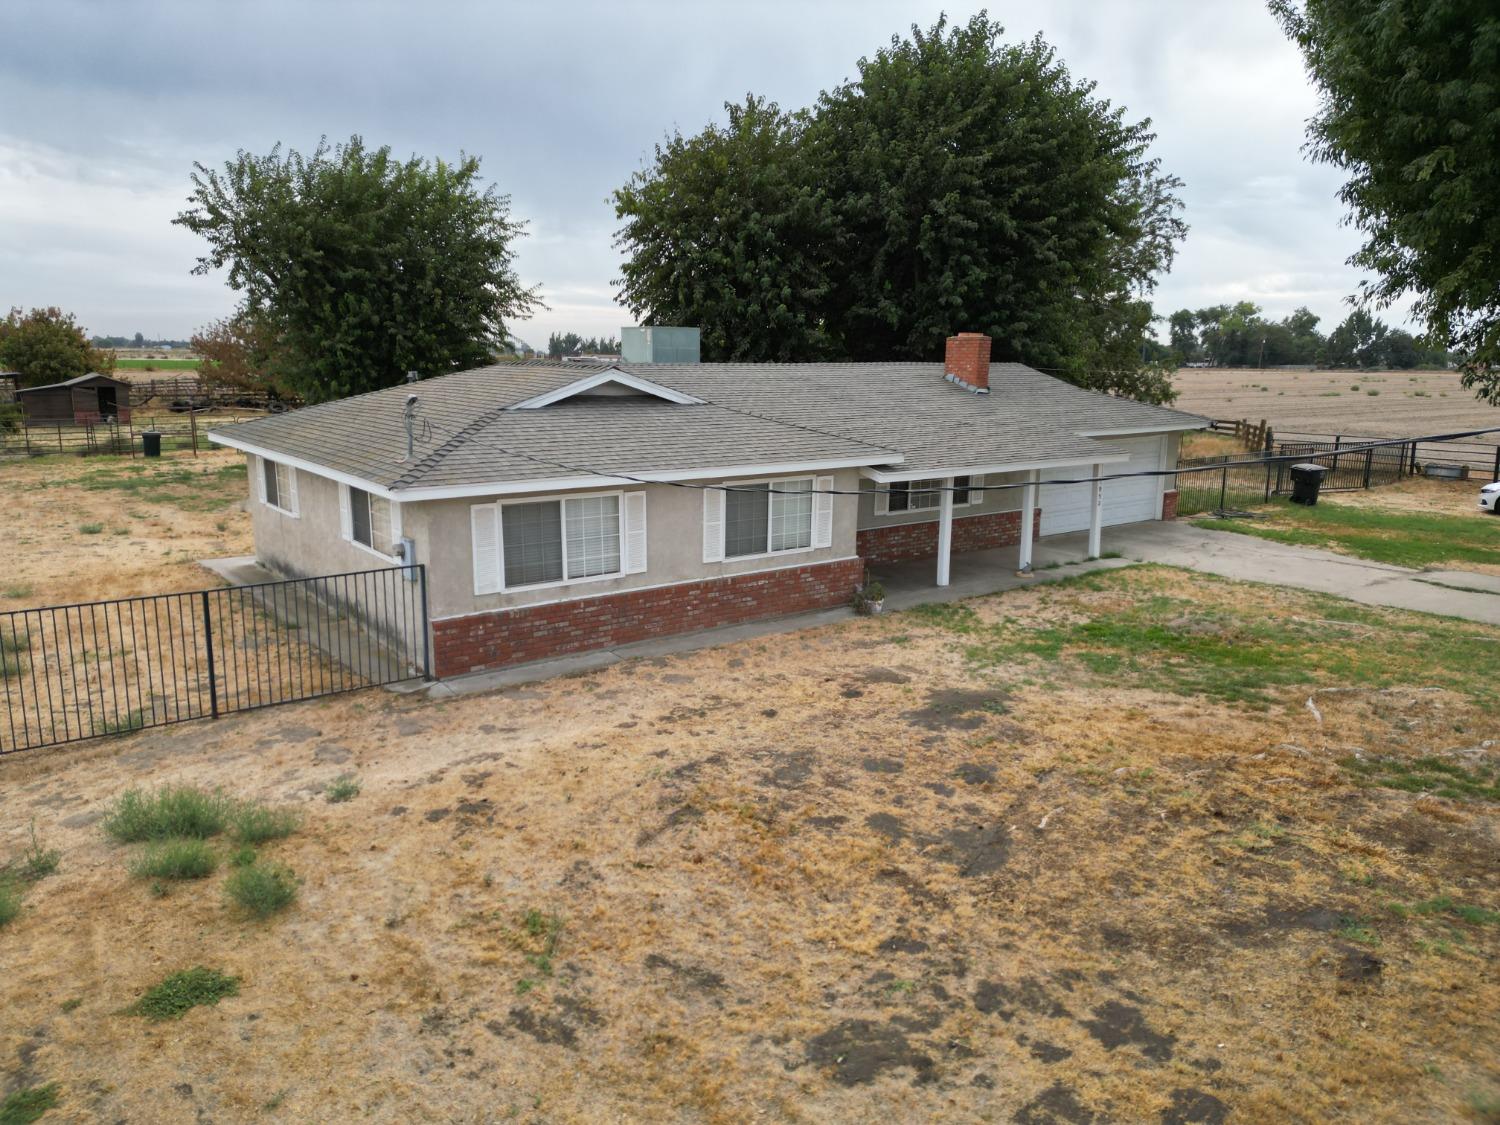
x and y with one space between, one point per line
869 599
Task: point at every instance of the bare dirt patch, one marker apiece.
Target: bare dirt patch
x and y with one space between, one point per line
1338 402
92 528
672 890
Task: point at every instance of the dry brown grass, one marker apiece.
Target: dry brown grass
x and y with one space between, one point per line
151 534
1322 402
836 875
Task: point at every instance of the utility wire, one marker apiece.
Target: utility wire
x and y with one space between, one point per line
1342 451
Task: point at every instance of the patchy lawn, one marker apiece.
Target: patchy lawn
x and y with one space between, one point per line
1363 525
1144 846
88 528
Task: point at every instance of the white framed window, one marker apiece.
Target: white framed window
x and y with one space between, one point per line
369 521
751 519
925 495
531 543
278 486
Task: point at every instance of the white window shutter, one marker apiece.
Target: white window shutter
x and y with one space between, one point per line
882 499
346 521
822 529
484 526
635 532
291 498
258 468
713 525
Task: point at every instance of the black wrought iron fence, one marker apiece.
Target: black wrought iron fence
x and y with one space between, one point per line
74 672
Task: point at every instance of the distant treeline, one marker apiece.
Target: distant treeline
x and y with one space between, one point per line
137 341
1239 336
571 343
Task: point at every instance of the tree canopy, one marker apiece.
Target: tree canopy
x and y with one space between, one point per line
959 183
357 267
47 346
571 343
1239 336
1411 110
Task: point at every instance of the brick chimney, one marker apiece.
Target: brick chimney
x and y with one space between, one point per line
967 362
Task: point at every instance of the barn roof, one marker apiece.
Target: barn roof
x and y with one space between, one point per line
76 381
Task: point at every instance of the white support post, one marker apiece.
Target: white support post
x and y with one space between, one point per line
1028 517
945 532
1096 513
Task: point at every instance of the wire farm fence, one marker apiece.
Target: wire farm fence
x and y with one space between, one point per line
1246 481
180 433
75 672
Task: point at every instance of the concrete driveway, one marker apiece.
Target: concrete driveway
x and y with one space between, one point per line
1455 593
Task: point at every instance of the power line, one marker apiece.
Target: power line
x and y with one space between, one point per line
1215 468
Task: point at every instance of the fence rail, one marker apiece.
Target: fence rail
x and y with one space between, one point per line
1254 478
119 437
74 672
199 394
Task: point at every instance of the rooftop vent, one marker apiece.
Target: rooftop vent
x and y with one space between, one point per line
659 344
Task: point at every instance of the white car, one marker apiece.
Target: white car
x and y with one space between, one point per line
1489 497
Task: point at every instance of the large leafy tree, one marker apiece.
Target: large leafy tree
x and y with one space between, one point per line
728 231
47 346
1411 110
357 267
958 184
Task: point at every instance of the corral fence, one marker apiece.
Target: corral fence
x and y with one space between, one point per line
73 672
1252 478
116 436
184 393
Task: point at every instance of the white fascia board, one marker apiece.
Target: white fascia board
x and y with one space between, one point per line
1132 431
880 476
611 375
569 484
312 467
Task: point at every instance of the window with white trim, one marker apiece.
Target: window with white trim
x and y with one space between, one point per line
370 522
278 486
911 495
764 517
553 540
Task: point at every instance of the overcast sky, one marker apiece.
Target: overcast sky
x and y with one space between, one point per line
105 104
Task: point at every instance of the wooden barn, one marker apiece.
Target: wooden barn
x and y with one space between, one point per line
82 401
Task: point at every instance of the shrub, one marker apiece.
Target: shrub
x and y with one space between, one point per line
10 901
37 862
183 991
257 824
242 856
176 859
345 787
261 889
21 1107
172 811
91 528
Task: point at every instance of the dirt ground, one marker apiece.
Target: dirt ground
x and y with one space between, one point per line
90 528
1402 402
1417 494
962 864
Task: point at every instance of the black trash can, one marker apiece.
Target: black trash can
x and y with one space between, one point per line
151 443
1307 479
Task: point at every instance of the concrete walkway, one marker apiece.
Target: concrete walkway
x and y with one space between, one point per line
1465 594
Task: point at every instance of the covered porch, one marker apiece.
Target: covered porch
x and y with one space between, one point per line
971 573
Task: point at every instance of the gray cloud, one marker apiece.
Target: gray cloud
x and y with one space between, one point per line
107 104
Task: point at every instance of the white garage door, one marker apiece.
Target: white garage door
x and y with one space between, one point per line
1065 507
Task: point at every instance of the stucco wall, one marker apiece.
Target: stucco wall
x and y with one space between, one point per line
1008 500
311 542
674 548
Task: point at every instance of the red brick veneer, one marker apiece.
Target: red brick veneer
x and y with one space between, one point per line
904 541
1169 504
514 636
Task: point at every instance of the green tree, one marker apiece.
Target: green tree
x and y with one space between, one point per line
727 231
358 267
1411 110
47 346
958 183
1183 339
236 352
1360 341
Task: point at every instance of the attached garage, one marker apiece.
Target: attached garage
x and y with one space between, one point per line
1065 507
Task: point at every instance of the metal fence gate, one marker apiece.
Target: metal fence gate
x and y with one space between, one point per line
73 672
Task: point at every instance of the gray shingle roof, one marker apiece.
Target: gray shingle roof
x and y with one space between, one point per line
875 414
